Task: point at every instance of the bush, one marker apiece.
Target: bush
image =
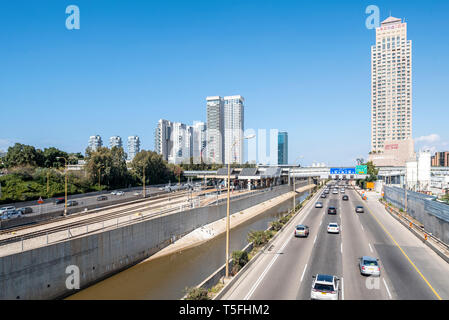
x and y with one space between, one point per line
276 225
259 238
239 259
197 294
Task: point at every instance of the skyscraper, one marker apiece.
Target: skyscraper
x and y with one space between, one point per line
214 110
163 143
95 142
115 141
233 112
133 146
199 142
282 148
391 80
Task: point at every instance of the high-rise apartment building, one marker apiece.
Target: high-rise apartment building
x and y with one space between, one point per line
391 81
233 112
440 159
115 141
199 140
214 110
282 148
95 142
133 147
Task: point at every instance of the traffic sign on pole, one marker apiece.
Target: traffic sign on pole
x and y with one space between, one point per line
40 201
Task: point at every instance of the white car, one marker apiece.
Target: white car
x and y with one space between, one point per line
4 209
335 191
120 193
114 192
325 287
333 228
369 266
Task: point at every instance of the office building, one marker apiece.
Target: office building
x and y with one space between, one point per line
95 142
440 159
199 142
115 141
233 112
163 144
391 81
214 136
282 148
133 147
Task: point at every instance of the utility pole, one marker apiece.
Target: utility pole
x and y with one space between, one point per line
143 191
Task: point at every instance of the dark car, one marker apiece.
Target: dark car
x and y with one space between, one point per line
345 197
323 195
332 210
359 209
101 198
25 210
72 203
59 200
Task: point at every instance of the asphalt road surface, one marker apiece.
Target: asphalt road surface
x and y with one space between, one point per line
409 269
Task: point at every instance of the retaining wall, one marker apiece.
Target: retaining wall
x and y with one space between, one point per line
432 214
41 273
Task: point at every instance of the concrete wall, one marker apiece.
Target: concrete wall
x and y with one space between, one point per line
40 273
433 215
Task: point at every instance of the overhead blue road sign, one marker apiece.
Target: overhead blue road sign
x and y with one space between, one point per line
342 170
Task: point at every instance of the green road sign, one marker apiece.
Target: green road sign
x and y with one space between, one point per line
361 169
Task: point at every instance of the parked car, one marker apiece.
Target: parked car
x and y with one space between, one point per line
59 200
345 198
359 209
301 231
4 209
101 198
325 287
25 210
369 266
332 210
72 203
318 205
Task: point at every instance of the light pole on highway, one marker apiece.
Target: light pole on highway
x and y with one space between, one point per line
227 210
144 166
294 185
65 161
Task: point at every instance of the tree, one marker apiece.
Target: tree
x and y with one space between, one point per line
23 155
50 155
156 169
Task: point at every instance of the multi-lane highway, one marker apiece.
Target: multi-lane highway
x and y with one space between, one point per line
409 269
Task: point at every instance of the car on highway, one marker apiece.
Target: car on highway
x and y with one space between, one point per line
333 228
335 191
345 198
11 214
369 266
342 190
25 210
114 192
72 203
323 195
117 193
4 209
59 200
326 191
136 194
331 210
102 198
359 209
325 287
301 231
318 205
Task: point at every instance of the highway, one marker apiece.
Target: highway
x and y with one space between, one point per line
409 269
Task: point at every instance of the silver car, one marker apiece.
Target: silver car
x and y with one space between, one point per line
369 266
318 205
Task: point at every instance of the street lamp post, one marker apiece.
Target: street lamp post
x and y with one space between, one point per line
228 201
65 206
143 191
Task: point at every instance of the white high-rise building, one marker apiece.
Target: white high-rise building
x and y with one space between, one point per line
233 128
199 142
95 142
133 147
115 141
163 143
391 81
215 129
182 143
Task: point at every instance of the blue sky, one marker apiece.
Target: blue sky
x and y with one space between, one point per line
302 66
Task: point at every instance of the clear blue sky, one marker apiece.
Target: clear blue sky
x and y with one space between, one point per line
302 66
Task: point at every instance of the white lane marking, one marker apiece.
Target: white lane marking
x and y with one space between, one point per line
370 248
389 294
304 272
315 239
341 248
362 227
342 289
321 221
